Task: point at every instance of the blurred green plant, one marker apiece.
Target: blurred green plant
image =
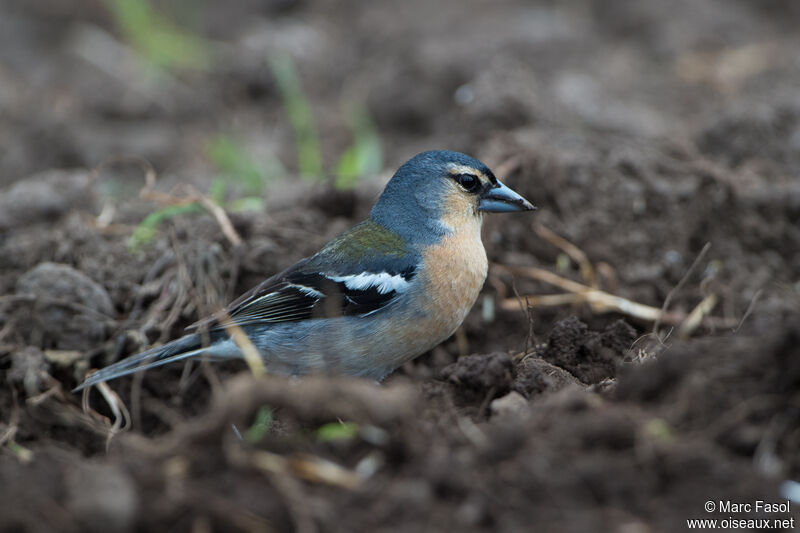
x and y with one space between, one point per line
237 167
158 39
148 227
309 156
659 429
23 454
260 427
363 157
337 431
241 168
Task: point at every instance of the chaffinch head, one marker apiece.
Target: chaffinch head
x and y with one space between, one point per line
380 294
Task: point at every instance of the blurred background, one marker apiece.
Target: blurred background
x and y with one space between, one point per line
642 130
622 121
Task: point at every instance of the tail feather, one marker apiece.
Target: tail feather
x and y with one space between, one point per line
183 348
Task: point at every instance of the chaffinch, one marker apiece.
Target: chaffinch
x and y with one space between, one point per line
380 294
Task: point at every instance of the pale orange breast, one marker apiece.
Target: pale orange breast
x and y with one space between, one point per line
455 270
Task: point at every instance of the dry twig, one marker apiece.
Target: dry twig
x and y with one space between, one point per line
681 283
243 342
576 254
598 300
749 310
695 318
148 192
122 418
13 423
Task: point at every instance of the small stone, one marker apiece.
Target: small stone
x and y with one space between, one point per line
102 496
69 310
27 367
44 196
512 404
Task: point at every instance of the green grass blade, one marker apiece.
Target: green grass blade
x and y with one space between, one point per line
146 230
158 39
261 425
337 431
364 156
234 161
309 156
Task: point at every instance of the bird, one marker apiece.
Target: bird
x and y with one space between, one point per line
380 294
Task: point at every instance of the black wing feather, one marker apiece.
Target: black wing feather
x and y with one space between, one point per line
299 294
309 289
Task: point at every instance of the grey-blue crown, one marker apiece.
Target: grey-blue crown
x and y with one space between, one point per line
411 202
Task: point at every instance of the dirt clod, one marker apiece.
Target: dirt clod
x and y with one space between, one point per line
534 376
476 376
44 197
63 306
512 404
589 356
103 497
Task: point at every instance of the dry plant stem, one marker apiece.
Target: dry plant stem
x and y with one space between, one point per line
183 283
187 377
543 275
194 197
530 338
599 301
608 273
291 490
148 193
157 270
749 310
695 318
122 418
284 473
67 414
13 422
243 342
575 253
120 412
318 470
681 283
54 390
222 219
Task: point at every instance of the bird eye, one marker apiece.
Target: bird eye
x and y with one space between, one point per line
469 182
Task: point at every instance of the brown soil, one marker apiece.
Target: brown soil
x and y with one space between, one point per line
642 130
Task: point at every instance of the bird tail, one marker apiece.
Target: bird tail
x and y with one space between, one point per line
183 348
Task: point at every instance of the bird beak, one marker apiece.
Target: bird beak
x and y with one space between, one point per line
501 199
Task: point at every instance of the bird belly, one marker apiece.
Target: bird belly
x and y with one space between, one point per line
455 271
375 345
446 288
